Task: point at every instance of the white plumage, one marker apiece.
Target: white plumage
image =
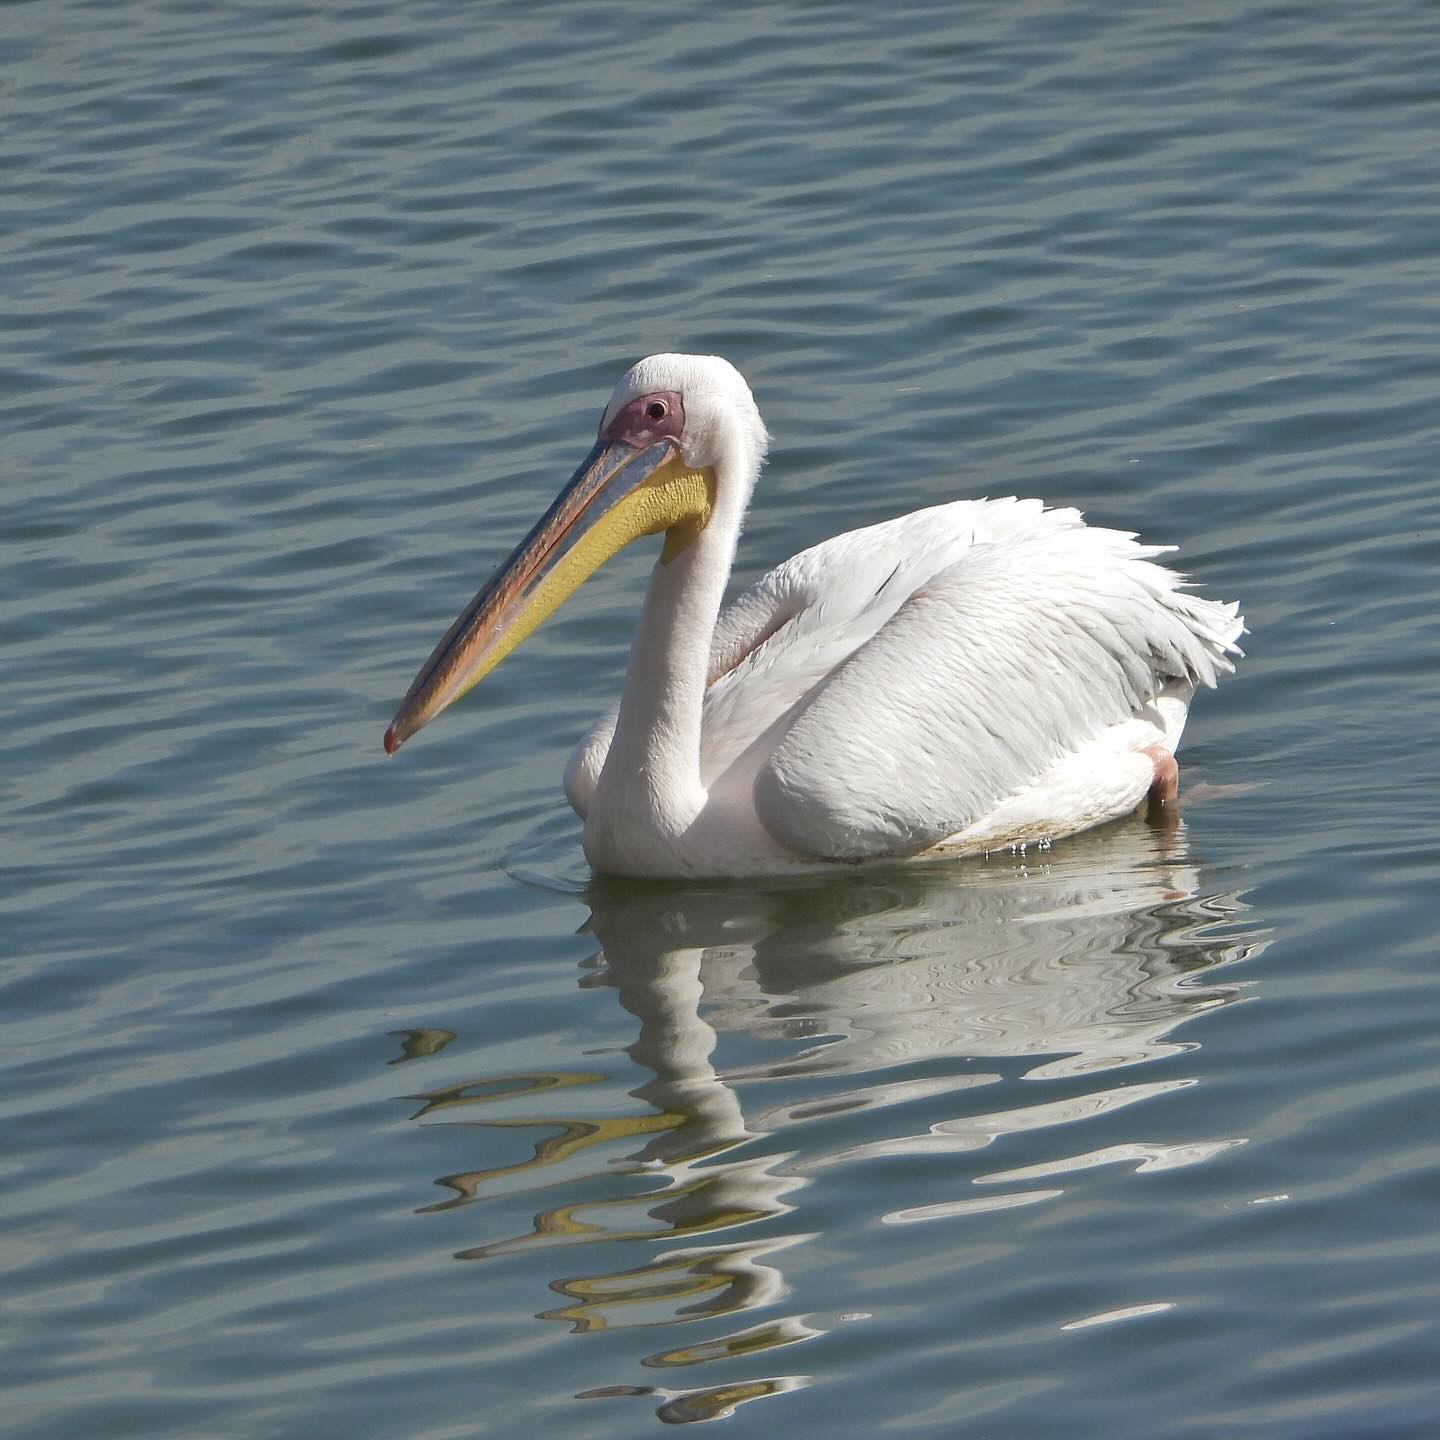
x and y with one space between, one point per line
964 677
974 675
954 680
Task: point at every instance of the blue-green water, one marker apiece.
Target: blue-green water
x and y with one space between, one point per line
332 1103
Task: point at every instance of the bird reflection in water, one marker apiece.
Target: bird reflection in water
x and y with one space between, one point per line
879 992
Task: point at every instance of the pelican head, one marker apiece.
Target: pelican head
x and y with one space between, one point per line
680 436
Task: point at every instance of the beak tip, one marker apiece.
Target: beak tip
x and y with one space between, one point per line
392 741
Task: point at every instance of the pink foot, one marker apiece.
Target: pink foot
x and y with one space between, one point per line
1165 787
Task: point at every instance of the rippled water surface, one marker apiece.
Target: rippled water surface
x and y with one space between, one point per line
335 1101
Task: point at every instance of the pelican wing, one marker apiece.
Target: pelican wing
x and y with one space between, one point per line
785 634
1015 637
788 634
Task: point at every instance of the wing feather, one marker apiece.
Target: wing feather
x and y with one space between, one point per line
884 689
997 666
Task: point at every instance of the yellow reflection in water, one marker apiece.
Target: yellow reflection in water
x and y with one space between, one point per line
790 1330
681 1285
573 1137
1060 967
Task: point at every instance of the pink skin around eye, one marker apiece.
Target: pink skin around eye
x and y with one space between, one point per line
647 420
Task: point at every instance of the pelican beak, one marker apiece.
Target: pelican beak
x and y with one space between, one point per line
618 494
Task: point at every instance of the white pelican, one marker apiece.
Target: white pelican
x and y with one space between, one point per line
971 676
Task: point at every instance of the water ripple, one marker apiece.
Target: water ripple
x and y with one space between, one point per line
307 311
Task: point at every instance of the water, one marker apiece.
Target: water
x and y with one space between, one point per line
334 1101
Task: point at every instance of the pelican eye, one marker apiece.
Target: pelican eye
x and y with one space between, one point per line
656 410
